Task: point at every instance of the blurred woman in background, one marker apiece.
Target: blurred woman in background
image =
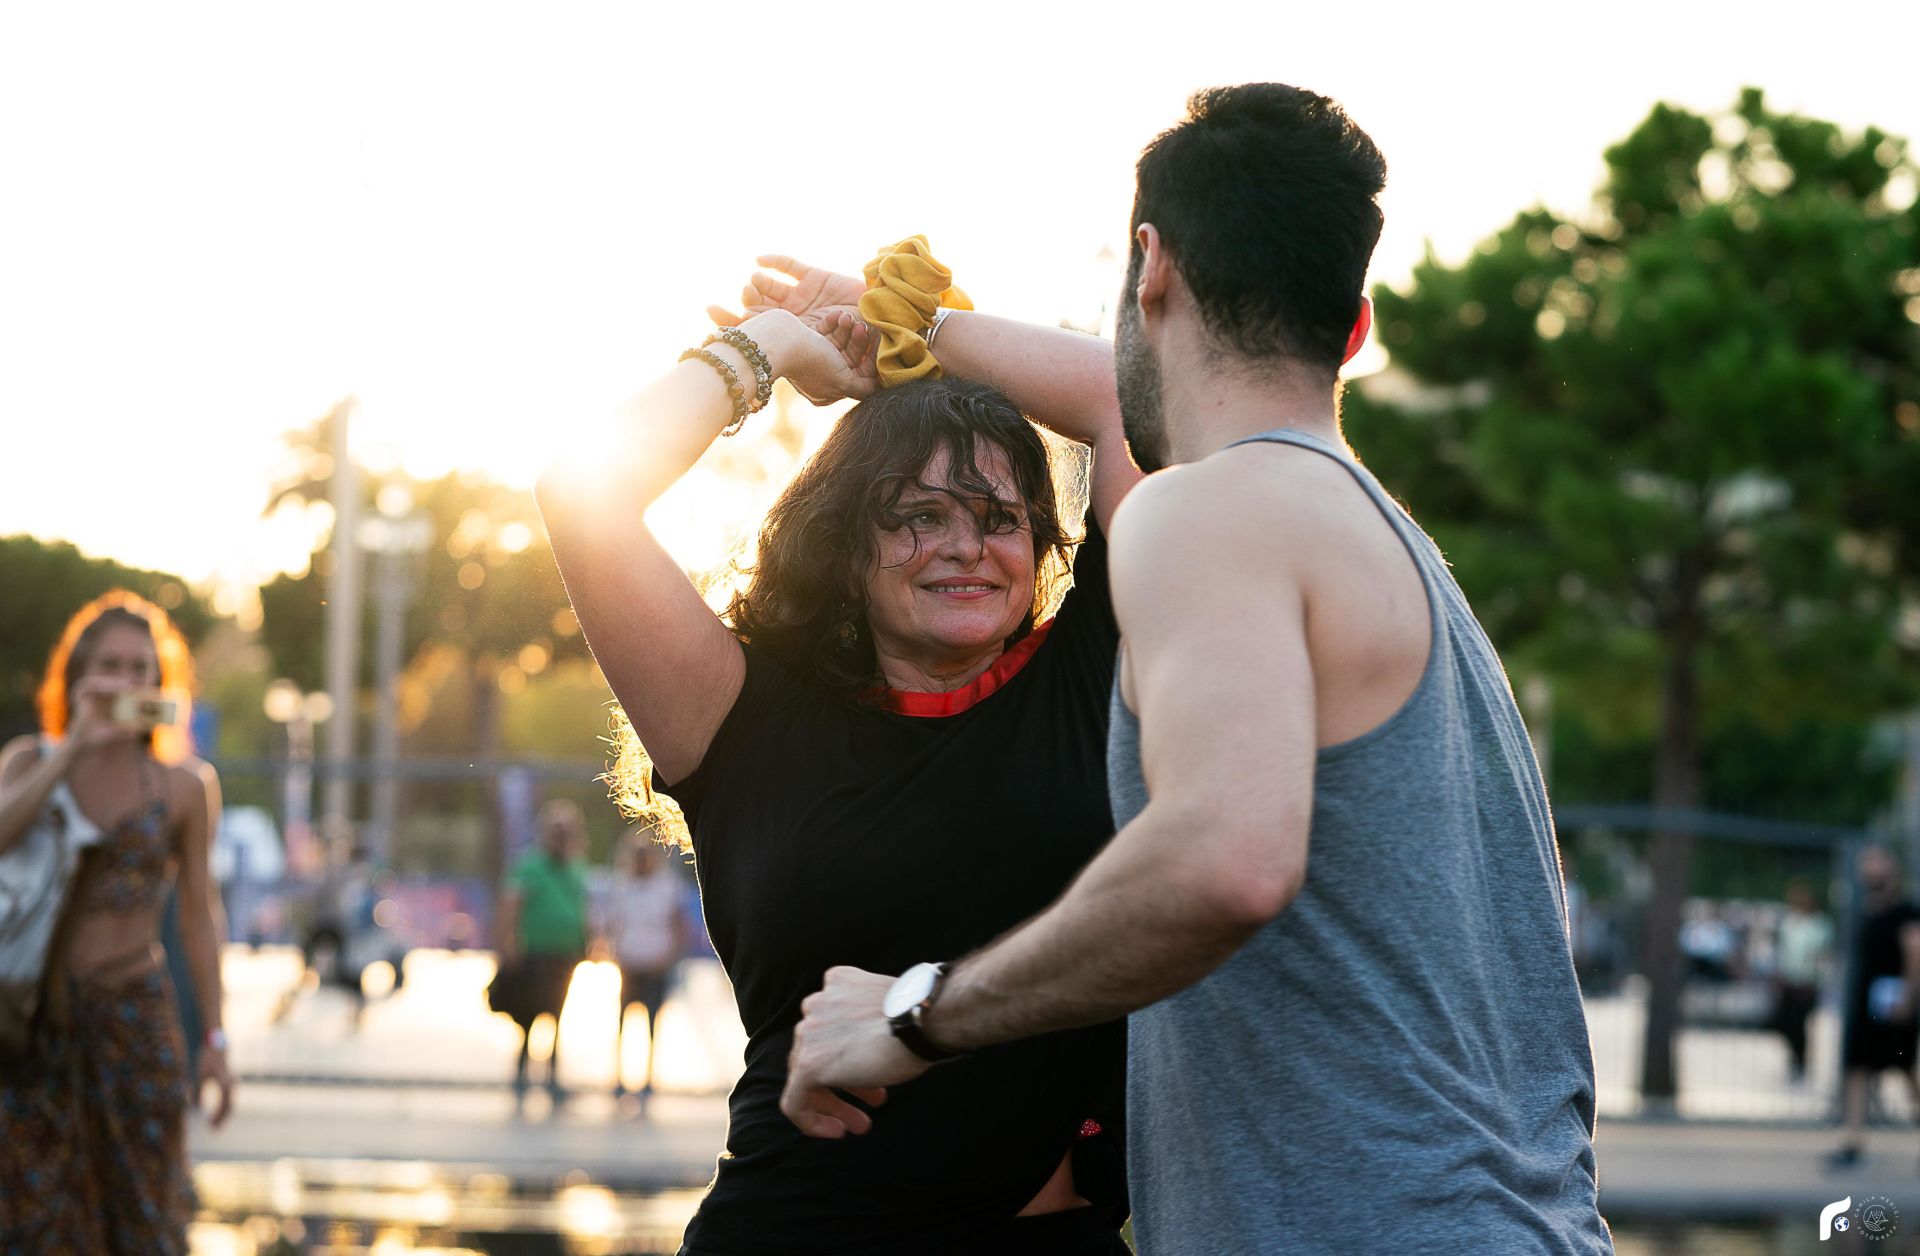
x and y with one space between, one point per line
93 1152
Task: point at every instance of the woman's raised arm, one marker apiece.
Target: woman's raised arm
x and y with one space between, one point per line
669 660
28 776
1060 378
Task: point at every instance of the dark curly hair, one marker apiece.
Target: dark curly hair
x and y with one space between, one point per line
805 602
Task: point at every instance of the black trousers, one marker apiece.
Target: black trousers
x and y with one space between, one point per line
1792 1007
1075 1232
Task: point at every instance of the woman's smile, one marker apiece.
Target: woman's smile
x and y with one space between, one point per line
963 590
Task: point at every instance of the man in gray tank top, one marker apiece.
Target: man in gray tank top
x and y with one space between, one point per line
1334 907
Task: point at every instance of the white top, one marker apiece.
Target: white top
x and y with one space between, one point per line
637 915
1805 939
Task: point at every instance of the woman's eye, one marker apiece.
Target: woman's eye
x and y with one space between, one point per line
925 518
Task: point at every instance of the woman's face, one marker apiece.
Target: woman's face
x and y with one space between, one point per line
123 653
957 580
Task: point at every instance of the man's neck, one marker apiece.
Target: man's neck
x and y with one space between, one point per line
1213 407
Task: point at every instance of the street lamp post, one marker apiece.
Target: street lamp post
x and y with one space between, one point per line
396 537
343 630
297 712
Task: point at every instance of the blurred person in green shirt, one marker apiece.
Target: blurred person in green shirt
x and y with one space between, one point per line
543 929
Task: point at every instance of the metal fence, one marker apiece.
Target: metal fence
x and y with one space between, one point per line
395 994
364 958
1732 1051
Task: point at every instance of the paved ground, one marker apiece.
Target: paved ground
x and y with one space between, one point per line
1684 1170
454 1143
1691 1170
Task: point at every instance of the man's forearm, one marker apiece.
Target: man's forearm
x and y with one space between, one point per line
1142 922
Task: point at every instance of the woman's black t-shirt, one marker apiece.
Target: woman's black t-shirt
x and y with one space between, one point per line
832 833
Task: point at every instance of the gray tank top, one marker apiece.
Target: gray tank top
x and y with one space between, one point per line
1399 1061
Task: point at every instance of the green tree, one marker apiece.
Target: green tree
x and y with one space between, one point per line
45 583
1670 447
486 584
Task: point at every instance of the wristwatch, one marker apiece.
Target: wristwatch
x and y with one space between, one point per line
907 1001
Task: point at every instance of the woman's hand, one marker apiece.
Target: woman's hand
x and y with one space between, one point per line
805 290
825 359
213 1069
90 722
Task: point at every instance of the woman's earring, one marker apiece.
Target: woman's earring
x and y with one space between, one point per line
847 632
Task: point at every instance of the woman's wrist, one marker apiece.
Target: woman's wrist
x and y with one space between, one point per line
742 368
773 331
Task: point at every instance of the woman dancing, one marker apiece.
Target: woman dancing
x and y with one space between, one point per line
882 753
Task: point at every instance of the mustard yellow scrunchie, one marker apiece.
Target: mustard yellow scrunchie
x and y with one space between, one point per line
905 285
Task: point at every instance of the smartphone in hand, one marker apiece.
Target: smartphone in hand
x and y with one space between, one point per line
145 708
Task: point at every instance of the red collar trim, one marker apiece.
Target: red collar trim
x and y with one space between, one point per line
975 691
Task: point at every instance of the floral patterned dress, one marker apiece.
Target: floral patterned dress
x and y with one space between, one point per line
93 1153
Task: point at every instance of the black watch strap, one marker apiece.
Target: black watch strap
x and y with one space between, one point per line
913 1035
906 1027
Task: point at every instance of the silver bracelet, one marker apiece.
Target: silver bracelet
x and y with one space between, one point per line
933 328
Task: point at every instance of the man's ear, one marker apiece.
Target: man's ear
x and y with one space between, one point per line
1156 269
1357 338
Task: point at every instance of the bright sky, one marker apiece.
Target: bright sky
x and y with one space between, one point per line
481 220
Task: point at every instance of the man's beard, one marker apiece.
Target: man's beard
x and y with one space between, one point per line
1136 377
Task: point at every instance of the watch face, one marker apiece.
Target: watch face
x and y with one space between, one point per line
910 990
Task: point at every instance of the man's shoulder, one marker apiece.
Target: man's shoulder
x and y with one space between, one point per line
1267 504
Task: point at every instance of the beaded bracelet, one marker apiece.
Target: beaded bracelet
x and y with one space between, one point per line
732 380
762 369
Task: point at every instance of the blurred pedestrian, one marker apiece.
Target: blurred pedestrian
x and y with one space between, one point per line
1800 955
93 1147
543 930
1708 942
640 918
1881 1030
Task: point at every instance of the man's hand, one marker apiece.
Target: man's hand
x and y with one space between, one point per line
801 290
843 1042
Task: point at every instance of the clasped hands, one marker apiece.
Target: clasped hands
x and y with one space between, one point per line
844 1044
837 360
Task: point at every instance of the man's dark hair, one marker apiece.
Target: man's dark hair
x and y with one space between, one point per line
1265 198
806 601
